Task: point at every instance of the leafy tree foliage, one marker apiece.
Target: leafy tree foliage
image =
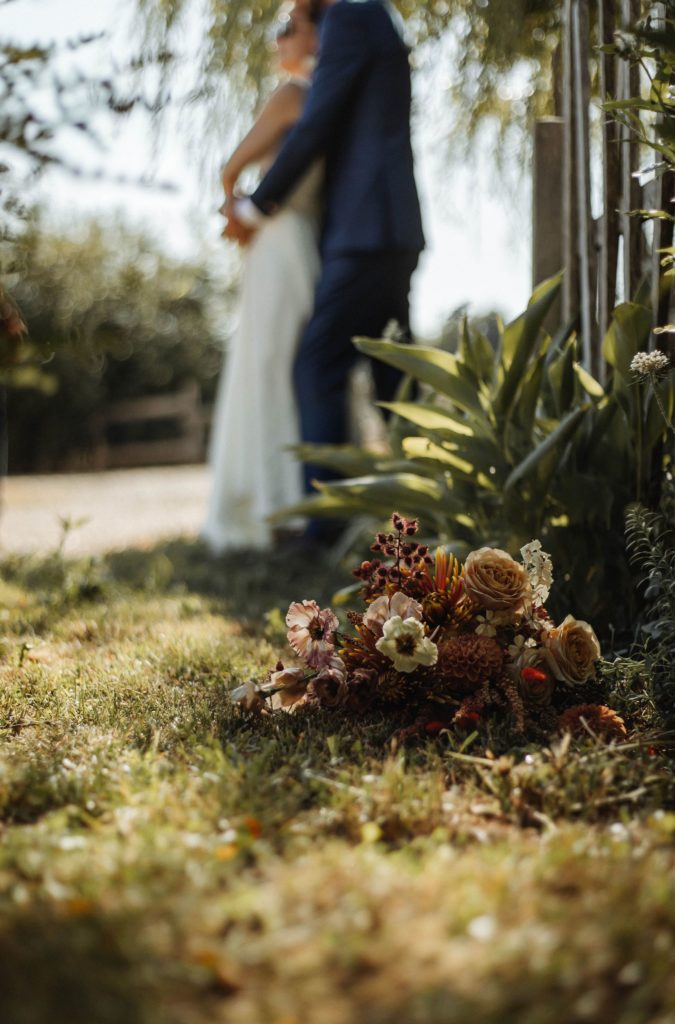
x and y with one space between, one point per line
45 98
120 320
490 40
45 91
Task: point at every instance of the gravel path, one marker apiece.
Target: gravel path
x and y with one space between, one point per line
121 508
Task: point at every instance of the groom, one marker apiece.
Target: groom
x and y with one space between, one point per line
357 118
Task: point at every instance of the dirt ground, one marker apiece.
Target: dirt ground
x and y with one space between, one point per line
112 510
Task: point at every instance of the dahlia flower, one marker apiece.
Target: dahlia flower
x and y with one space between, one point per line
601 720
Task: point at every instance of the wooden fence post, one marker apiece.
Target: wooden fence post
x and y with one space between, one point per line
611 172
631 194
570 220
548 256
585 232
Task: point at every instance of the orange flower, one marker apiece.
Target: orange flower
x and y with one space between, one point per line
446 570
533 675
253 826
601 720
536 686
11 323
466 719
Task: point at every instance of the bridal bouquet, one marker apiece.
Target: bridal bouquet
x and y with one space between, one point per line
442 645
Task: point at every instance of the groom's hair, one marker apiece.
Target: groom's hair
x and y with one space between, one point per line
314 8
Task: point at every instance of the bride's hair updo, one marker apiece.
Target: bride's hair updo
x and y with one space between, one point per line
309 9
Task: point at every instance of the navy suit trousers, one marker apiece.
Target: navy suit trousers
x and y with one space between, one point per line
357 295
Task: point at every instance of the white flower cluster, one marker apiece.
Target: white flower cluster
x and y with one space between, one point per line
540 571
650 364
488 623
393 331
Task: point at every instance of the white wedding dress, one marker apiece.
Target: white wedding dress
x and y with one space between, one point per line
255 416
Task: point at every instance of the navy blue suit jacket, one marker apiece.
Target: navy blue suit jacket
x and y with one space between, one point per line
357 116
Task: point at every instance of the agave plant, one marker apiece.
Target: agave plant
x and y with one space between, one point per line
516 442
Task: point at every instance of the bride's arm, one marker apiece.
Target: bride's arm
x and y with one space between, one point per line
280 113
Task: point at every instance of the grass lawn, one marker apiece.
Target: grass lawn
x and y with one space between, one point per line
163 859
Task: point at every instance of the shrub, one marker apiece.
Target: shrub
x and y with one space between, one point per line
650 546
121 320
517 443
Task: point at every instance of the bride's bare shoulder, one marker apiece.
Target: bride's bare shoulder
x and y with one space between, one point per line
285 104
292 93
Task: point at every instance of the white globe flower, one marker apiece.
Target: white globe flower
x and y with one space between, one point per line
650 364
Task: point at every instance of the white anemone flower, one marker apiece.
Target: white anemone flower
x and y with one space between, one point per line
403 642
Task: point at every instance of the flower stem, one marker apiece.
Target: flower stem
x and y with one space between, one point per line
638 445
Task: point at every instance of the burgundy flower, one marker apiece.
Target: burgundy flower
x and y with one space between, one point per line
330 685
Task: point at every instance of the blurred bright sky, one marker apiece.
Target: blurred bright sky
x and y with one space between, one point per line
478 230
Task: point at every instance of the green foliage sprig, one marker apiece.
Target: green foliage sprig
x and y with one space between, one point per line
650 44
651 549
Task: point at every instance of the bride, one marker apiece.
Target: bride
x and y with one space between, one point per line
255 419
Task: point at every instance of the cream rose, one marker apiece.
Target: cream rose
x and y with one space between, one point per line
495 580
571 651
